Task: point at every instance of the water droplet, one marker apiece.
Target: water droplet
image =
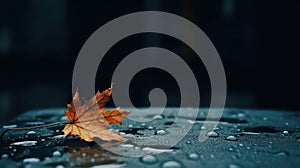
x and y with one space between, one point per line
193 156
248 147
14 150
150 128
161 132
203 128
35 123
171 164
149 159
130 126
191 121
63 118
241 144
56 154
31 160
25 143
265 118
212 134
83 154
230 149
31 132
127 145
188 142
93 160
281 154
241 115
4 156
286 123
285 132
155 150
159 117
57 130
143 125
231 138
59 166
48 159
10 126
251 133
58 137
129 136
233 166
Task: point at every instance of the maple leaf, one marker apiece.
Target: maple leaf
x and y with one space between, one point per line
89 119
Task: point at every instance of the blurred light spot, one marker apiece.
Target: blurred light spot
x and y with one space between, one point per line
228 8
5 40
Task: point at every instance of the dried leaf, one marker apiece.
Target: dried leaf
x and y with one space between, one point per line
89 119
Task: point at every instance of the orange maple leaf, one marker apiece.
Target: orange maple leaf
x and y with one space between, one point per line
90 119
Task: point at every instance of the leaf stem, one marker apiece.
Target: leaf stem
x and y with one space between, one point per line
33 127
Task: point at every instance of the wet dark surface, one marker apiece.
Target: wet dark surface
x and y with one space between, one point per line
243 138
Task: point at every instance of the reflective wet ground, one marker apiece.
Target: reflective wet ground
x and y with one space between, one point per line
242 138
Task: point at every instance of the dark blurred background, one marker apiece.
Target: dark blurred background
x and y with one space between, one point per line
258 42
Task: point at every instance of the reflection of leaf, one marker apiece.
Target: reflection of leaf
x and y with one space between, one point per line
90 119
90 156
